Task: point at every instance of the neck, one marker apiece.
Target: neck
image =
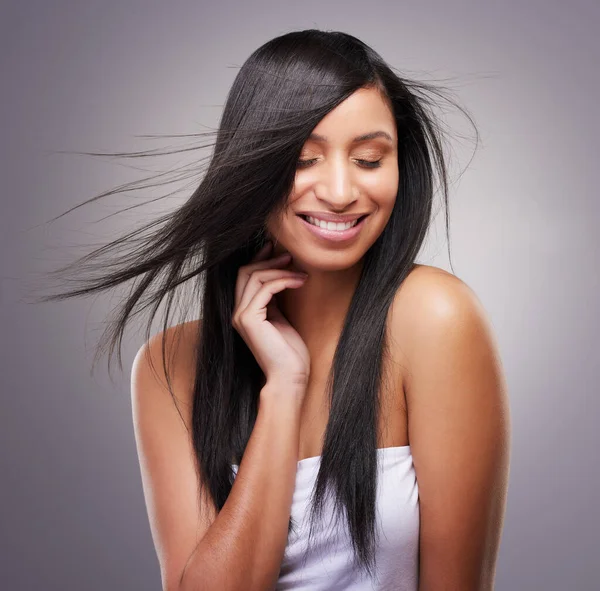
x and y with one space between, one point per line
317 309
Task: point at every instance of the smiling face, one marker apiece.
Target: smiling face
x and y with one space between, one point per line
341 173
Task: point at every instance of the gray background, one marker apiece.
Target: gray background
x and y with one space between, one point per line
92 75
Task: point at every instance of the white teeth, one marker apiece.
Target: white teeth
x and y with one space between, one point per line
330 225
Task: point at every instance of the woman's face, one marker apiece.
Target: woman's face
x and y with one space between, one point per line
345 176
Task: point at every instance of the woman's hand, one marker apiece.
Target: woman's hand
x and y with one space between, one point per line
275 344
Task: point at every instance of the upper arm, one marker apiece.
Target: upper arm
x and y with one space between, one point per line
165 451
459 431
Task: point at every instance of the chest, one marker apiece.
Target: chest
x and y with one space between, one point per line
392 423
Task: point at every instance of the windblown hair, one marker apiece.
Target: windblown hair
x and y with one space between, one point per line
280 94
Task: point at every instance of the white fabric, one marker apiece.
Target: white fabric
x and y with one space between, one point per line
328 565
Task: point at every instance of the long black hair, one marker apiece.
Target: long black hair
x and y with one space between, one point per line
280 94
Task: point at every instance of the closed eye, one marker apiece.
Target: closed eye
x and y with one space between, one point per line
363 163
370 163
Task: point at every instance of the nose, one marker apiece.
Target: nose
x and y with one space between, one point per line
337 186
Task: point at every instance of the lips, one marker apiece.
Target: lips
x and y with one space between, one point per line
332 217
334 235
335 221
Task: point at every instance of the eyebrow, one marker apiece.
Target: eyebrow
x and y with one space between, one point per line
361 138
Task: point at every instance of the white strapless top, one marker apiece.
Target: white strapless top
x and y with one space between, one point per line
328 565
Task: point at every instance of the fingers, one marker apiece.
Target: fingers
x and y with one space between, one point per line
260 277
261 260
259 300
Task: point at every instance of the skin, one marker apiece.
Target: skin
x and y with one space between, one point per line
337 182
450 401
448 397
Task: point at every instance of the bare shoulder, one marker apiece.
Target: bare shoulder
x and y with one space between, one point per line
427 286
458 427
168 463
175 348
431 303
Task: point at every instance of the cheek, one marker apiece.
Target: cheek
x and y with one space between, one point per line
277 227
384 190
381 188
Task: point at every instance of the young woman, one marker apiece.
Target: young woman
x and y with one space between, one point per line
337 418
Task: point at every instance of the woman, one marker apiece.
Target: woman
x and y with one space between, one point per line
325 362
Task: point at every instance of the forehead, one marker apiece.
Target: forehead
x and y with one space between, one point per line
356 119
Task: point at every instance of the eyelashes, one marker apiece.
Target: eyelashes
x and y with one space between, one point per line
363 163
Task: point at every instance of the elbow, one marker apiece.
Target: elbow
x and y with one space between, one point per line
175 582
187 583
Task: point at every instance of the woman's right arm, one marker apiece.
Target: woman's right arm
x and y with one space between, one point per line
242 546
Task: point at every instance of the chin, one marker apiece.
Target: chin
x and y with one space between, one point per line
324 261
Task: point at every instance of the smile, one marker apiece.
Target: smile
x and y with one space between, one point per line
336 232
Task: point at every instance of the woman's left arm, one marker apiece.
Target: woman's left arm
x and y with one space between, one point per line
459 432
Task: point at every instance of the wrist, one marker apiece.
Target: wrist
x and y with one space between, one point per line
283 392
